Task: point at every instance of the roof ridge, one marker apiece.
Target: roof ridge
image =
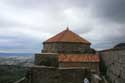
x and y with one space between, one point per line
63 34
68 36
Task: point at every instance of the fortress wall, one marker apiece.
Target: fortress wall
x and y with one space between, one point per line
93 66
115 63
42 74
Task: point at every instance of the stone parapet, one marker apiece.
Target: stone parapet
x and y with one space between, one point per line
115 62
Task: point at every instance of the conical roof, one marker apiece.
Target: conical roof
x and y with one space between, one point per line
67 36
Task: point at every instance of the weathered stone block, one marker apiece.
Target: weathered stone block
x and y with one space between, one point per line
46 59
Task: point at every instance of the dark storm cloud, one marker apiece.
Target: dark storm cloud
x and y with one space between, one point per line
113 10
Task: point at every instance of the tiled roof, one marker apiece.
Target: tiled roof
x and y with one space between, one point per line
67 36
78 58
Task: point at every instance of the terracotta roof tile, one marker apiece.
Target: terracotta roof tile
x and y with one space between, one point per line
67 36
78 58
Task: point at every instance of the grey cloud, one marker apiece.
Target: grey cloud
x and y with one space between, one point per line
84 29
35 19
46 4
110 10
104 36
6 23
20 43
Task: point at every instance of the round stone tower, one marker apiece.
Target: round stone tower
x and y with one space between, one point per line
67 42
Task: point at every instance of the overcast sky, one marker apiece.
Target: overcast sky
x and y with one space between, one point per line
25 24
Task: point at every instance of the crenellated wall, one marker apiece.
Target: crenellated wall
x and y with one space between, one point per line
114 61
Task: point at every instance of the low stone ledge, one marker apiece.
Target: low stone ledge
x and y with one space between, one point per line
22 80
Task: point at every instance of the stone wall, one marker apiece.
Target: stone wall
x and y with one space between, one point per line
46 59
114 60
42 74
51 59
66 48
92 66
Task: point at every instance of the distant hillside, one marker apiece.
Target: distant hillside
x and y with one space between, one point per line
22 59
120 45
13 66
16 54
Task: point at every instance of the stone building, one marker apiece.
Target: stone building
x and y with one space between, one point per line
67 49
67 42
65 58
